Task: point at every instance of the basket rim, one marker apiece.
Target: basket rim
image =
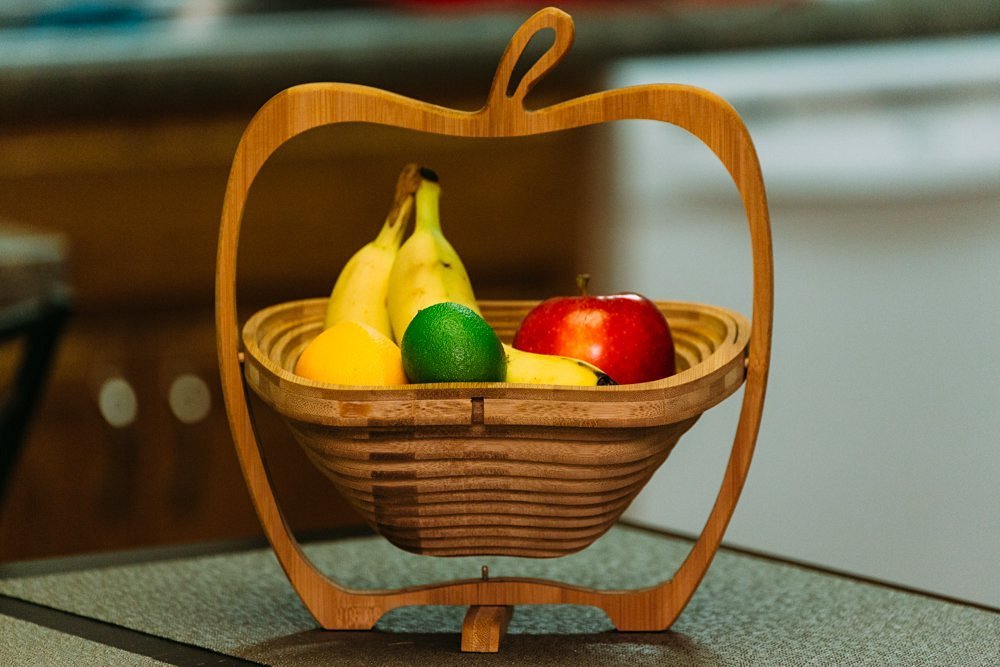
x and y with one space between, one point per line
736 342
680 396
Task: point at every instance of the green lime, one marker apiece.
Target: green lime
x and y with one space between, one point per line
449 342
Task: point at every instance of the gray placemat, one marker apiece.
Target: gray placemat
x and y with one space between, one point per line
28 645
748 611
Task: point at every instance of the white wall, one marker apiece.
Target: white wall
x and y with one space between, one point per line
880 447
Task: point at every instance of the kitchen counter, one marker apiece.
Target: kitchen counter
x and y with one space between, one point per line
178 63
231 605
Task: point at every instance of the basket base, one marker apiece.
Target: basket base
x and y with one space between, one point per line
479 491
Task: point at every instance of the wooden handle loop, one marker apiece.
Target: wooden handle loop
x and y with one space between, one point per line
548 18
301 108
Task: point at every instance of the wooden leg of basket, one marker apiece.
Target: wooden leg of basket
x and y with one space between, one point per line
334 607
484 627
657 608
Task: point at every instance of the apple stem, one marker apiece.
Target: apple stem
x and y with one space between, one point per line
581 283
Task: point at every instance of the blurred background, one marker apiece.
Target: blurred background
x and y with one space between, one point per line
878 128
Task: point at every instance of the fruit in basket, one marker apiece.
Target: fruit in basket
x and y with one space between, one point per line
530 368
450 342
427 269
625 335
359 294
352 353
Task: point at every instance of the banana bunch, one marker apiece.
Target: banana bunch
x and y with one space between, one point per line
360 292
384 284
427 269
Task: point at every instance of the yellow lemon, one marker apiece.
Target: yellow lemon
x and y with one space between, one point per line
352 353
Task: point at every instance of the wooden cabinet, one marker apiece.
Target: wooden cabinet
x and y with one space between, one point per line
92 479
139 204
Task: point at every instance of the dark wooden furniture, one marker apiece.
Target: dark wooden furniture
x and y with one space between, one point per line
34 304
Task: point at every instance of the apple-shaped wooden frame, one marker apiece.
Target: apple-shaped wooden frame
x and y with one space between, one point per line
304 107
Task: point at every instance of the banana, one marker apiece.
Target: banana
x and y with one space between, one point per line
531 368
427 269
359 294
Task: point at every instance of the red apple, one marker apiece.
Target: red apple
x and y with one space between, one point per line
625 335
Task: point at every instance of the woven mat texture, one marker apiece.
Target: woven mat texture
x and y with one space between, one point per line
36 646
748 611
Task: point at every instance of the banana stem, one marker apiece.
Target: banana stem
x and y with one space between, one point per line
391 234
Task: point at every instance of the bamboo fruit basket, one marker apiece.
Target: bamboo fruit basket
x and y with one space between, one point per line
493 468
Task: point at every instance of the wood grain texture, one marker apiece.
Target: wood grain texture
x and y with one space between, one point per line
301 108
484 627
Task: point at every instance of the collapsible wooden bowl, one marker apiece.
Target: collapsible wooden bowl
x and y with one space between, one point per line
493 469
470 469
